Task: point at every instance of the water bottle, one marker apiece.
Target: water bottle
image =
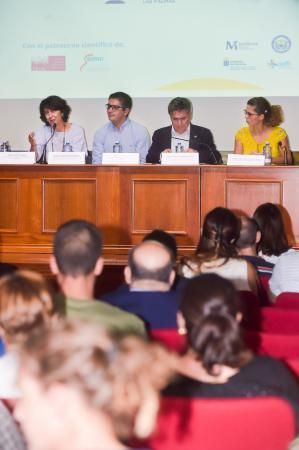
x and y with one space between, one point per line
179 148
5 147
117 147
267 152
67 147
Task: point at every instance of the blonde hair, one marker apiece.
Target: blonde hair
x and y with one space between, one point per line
26 301
121 378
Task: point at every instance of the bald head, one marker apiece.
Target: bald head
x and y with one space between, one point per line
151 261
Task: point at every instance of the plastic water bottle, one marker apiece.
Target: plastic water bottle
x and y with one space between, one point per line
179 148
67 147
5 147
267 152
117 147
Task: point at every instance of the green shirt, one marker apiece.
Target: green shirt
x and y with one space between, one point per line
104 314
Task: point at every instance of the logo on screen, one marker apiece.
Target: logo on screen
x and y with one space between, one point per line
281 44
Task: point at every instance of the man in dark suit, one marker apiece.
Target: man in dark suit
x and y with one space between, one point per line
150 274
183 136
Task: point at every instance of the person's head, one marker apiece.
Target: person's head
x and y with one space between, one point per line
221 229
273 235
26 302
249 234
106 388
209 311
77 249
164 238
152 263
118 107
180 111
259 110
54 110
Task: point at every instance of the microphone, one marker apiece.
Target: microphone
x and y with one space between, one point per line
211 152
284 150
43 158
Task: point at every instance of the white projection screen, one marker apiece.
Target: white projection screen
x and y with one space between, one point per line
218 53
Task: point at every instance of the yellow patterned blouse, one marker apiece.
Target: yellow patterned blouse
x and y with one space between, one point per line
250 145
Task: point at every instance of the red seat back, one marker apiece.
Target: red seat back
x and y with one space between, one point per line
288 300
277 321
224 424
170 338
276 345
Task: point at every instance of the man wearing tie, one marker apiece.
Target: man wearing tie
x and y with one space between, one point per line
183 136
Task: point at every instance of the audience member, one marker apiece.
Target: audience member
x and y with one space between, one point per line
76 262
263 122
183 136
149 274
216 252
57 134
274 241
285 277
120 134
218 363
246 246
26 303
82 390
11 437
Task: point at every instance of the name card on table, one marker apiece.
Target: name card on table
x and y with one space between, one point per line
66 158
180 159
233 159
25 157
120 158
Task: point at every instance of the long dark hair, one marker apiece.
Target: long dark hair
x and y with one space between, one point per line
209 305
273 235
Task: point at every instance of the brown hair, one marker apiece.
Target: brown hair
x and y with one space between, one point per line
209 305
26 301
273 114
120 378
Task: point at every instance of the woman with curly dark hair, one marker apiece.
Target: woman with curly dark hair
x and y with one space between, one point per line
57 134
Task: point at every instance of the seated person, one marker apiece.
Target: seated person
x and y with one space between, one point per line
120 134
274 241
218 363
26 302
57 135
83 390
263 122
76 262
285 276
183 136
216 252
246 247
150 275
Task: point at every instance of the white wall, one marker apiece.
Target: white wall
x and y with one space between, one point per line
222 115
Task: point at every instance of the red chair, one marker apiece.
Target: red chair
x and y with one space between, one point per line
170 338
224 424
277 345
277 321
249 307
288 300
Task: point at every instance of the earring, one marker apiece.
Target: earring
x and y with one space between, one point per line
182 331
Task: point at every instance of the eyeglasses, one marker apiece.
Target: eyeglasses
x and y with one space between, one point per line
249 114
113 107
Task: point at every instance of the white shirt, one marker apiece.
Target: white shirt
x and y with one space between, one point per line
180 139
285 276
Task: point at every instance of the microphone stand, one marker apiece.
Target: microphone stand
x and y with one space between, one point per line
211 152
43 158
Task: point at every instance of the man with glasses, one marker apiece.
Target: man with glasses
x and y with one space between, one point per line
120 134
183 136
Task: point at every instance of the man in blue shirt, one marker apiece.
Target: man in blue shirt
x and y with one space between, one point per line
121 134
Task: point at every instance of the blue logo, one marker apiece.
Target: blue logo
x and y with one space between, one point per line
281 43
